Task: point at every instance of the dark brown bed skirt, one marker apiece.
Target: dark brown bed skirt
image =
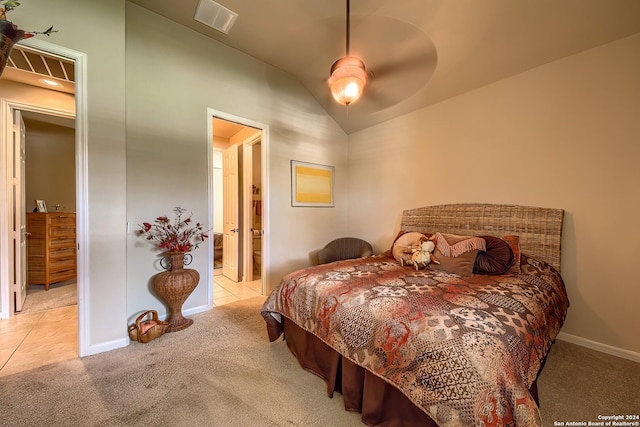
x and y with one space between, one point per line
380 403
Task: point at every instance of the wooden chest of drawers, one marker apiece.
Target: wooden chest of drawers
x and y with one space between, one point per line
51 247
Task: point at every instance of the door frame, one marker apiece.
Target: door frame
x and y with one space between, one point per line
82 196
247 200
264 156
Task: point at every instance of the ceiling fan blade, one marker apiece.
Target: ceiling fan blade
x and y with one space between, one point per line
400 59
378 101
414 64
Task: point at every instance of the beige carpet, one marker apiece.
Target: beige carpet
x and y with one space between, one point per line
222 371
579 384
59 295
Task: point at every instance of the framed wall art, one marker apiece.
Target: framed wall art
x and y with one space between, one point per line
42 207
311 184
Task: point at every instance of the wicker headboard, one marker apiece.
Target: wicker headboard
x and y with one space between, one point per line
540 229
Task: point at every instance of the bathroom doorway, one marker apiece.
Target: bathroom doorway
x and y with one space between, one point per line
238 242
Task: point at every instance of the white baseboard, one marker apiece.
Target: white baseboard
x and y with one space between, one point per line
119 343
107 346
186 312
196 310
603 348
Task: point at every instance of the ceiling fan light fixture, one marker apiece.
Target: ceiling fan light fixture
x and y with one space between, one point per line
348 79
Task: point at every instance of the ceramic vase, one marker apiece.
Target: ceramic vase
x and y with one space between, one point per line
174 287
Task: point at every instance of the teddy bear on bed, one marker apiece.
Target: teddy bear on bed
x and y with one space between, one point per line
423 255
413 248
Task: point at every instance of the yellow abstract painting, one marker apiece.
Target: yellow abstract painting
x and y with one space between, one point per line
311 184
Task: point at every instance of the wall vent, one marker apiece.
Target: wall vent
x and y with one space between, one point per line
215 16
31 66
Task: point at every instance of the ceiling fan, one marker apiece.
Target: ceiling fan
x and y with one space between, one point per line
401 59
348 74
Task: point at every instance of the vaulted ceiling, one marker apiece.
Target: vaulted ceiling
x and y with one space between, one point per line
418 52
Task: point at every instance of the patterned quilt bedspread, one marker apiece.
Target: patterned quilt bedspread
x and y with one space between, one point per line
464 349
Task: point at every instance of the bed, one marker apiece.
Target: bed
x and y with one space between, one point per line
429 347
218 238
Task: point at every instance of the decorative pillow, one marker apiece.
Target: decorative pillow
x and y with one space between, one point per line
456 254
452 245
400 233
401 248
497 259
461 265
514 244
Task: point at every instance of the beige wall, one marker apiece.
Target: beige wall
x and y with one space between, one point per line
96 28
167 145
564 135
50 171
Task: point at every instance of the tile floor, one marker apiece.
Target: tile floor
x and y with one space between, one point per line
30 340
226 291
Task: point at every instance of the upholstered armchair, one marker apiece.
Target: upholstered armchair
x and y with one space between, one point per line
344 248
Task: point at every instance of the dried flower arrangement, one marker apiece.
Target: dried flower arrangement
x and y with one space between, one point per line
7 6
181 235
10 34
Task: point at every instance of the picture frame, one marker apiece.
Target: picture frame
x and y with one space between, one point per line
42 207
312 185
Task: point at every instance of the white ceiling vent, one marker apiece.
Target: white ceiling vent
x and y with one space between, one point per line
215 16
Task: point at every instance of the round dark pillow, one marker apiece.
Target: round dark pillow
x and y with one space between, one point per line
497 259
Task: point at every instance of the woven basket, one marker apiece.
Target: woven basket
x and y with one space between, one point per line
147 330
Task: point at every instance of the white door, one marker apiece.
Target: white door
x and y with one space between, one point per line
230 213
19 216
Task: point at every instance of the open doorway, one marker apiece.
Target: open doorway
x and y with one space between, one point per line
50 205
237 208
44 324
238 194
72 116
37 98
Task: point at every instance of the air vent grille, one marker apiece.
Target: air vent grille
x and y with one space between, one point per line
215 16
30 66
43 65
